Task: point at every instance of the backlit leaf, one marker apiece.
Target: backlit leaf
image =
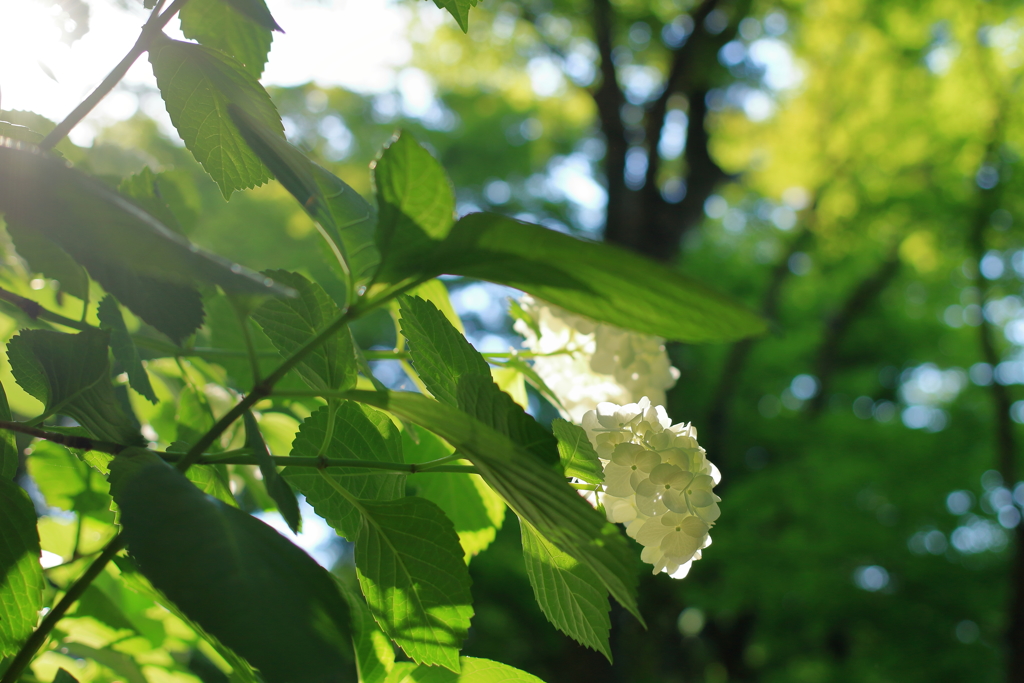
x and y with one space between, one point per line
357 432
219 25
8 445
123 347
197 84
21 576
277 487
578 457
458 9
410 568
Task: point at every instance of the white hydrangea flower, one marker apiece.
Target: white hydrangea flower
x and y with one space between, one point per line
658 482
594 362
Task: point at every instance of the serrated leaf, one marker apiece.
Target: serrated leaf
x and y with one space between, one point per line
232 574
415 202
21 576
68 483
123 348
410 568
257 11
43 256
277 487
458 9
70 374
512 382
149 268
570 595
375 655
347 219
456 374
144 189
290 323
197 84
8 444
358 432
535 492
601 281
475 510
577 455
436 293
474 670
219 25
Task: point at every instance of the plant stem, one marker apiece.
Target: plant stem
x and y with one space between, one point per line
79 442
39 636
438 465
261 391
152 27
35 310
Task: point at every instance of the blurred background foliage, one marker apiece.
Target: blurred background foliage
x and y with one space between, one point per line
849 167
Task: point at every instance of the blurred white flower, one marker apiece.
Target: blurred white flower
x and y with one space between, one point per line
658 482
593 362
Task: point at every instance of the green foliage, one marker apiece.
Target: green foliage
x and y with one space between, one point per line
411 571
70 374
46 258
123 348
276 485
577 455
197 84
236 577
351 431
290 323
257 11
567 591
66 482
457 375
8 445
21 577
346 217
219 25
416 206
472 670
458 9
475 510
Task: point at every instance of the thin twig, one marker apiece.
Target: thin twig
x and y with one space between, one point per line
69 440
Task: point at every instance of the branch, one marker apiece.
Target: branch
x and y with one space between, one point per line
837 326
35 310
69 440
153 26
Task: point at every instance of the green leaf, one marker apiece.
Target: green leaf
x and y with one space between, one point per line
475 510
197 84
131 577
436 293
569 594
578 457
8 444
290 323
144 189
347 219
356 432
473 670
375 655
277 487
458 9
123 348
149 268
216 24
535 492
232 574
410 568
257 11
43 256
64 677
68 483
70 374
416 205
456 374
603 282
21 576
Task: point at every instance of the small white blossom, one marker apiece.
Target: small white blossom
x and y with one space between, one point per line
593 362
658 482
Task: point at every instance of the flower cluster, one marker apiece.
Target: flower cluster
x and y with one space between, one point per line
658 482
585 363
